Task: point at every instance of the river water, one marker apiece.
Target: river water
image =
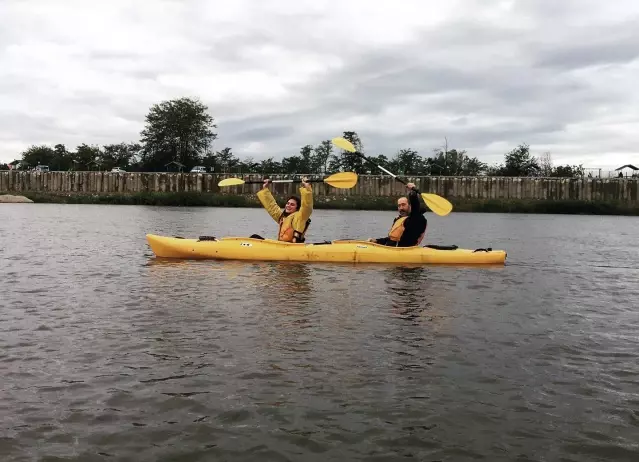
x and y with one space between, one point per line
110 355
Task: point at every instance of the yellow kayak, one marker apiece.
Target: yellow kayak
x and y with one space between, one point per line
346 251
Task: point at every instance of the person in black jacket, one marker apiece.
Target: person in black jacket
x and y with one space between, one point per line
409 228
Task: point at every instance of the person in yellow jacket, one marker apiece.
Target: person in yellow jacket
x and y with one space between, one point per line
295 218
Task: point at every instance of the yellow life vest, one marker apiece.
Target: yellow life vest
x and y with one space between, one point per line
288 233
292 228
397 231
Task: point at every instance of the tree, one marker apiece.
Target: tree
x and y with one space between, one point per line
247 165
408 162
519 162
321 157
87 157
383 161
454 163
568 171
210 161
350 161
269 166
119 155
177 130
38 155
473 167
63 159
335 163
226 160
292 164
545 164
306 155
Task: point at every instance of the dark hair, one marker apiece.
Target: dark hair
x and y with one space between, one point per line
296 199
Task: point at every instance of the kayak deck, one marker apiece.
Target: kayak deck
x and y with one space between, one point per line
340 251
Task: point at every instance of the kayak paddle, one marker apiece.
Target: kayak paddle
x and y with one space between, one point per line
342 180
437 204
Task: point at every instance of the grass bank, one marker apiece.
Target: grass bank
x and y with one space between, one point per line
337 202
567 207
192 199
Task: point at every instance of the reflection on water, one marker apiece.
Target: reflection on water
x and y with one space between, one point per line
411 291
277 282
281 282
107 353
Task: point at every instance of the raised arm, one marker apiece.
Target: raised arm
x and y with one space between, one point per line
268 202
413 200
306 196
416 208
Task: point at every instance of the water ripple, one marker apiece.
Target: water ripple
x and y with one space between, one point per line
110 354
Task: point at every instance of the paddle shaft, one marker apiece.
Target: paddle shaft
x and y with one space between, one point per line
437 204
342 180
383 169
281 181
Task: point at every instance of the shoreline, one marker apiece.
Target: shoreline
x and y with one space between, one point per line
195 199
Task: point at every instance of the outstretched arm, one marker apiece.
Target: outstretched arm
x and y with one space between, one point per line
306 196
416 208
268 202
413 199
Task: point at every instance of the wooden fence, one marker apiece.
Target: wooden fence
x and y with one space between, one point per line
481 187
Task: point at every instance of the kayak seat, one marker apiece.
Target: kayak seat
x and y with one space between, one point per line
207 238
487 249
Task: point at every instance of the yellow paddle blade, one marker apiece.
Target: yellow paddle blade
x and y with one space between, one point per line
343 180
439 205
343 143
231 182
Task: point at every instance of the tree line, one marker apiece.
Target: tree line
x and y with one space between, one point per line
178 135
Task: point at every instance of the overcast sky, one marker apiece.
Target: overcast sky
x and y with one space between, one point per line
560 75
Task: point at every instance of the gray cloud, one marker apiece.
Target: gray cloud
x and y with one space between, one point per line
488 75
258 134
604 45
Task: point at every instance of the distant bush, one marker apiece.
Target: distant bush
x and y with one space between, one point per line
194 199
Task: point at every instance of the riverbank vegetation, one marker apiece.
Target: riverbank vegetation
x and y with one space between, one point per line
194 199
